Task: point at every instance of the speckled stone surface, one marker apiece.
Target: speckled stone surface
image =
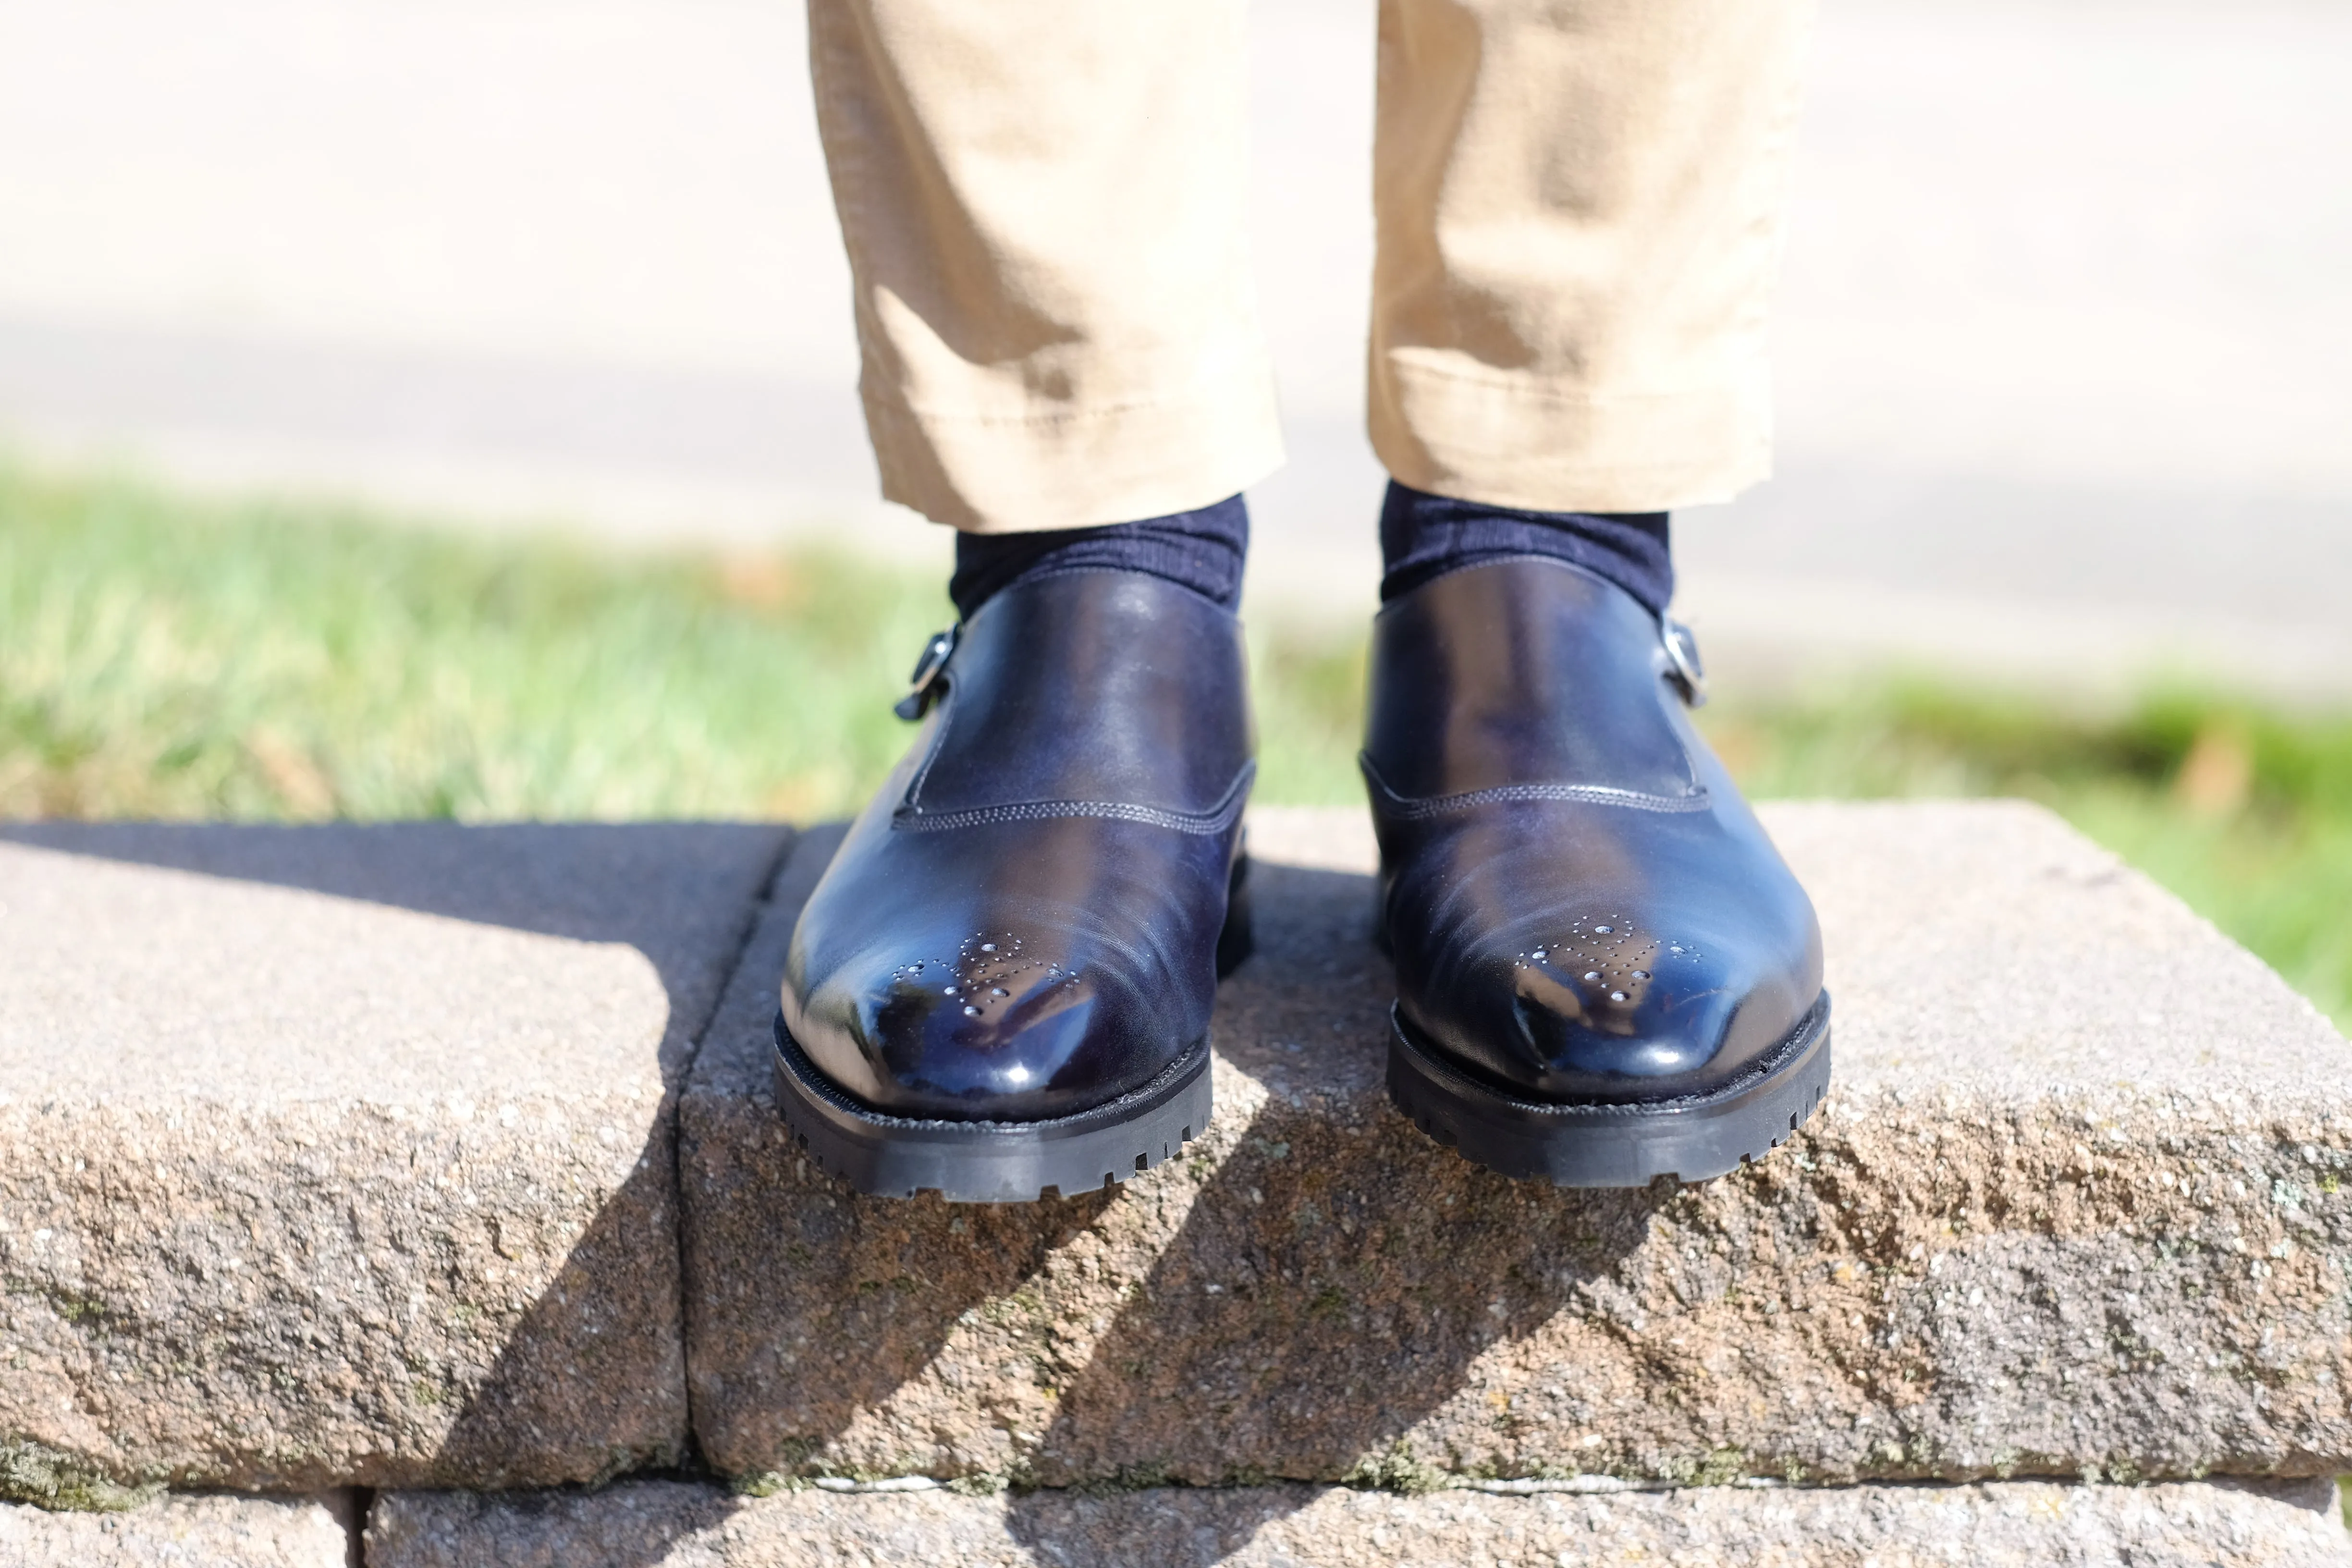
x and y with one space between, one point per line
2075 1209
344 1155
2014 1524
179 1532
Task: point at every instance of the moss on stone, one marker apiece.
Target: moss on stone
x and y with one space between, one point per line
45 1477
1397 1469
767 1483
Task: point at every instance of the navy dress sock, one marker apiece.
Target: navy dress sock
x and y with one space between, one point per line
1423 536
1203 549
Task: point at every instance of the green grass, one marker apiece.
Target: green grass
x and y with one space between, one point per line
171 658
161 657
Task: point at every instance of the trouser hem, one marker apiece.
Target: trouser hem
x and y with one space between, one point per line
1519 443
1075 468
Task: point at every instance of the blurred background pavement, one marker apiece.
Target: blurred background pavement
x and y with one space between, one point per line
2064 342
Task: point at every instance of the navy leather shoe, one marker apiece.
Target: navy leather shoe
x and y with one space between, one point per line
1605 972
1003 981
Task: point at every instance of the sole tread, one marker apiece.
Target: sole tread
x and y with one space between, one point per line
992 1161
1594 1145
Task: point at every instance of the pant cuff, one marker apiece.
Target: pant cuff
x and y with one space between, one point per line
1516 443
1076 468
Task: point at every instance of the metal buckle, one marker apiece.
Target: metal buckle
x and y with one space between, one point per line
922 686
1687 673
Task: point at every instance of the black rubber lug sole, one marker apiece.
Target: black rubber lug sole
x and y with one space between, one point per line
992 1161
1592 1146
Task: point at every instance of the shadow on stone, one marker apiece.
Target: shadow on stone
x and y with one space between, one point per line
1289 1301
588 1381
576 1362
808 1307
1161 1528
867 1298
636 1524
1332 1283
1312 1356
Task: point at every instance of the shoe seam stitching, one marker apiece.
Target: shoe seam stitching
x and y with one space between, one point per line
1208 824
1413 808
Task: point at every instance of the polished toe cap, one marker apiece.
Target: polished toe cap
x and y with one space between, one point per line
1609 1008
983 1030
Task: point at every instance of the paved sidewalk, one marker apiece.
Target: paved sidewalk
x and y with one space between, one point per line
2060 346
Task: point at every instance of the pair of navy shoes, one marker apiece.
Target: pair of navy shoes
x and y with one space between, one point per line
1003 982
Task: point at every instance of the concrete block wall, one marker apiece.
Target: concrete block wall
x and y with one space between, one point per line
411 1169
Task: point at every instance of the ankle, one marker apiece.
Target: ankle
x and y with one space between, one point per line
1425 536
1202 550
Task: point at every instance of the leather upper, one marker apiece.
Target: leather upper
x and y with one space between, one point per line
1579 905
1022 923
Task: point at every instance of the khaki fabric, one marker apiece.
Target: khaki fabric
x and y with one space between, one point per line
1579 214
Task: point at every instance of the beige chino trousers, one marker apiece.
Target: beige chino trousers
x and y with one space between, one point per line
1579 209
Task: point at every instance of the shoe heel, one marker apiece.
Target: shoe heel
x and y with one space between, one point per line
1238 940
